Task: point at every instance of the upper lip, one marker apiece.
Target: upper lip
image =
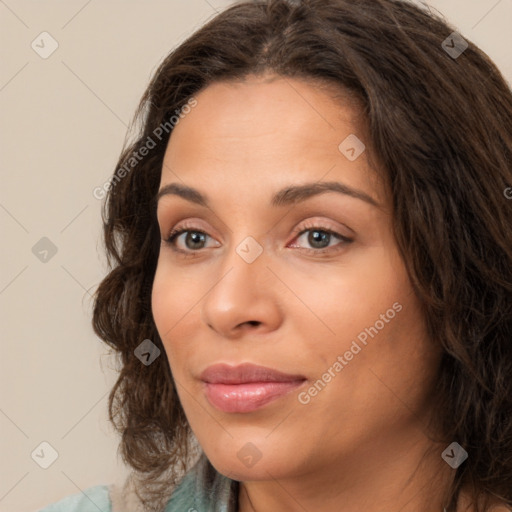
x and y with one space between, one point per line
243 373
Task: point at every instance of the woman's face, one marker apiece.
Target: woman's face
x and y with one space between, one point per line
264 282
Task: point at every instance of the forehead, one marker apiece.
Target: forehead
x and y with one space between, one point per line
266 131
258 105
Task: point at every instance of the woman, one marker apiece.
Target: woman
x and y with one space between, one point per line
311 284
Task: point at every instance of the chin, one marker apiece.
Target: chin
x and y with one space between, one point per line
244 461
236 471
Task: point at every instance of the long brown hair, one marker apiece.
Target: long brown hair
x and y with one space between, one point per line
439 125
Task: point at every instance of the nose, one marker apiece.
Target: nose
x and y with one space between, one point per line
244 298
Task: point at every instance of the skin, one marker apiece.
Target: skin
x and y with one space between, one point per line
357 444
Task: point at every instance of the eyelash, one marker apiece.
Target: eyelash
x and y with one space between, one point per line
171 239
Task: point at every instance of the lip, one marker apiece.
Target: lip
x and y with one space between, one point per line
246 387
245 373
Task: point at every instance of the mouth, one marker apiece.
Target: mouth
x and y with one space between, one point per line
247 387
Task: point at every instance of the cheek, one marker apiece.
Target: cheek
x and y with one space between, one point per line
386 343
162 298
172 297
380 327
162 303
172 302
354 297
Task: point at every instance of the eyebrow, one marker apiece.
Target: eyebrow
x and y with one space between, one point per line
286 196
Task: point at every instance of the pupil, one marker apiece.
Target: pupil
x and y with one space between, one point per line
322 237
195 237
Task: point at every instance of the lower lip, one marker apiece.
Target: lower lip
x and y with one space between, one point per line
247 397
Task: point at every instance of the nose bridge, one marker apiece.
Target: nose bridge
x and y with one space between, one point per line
243 266
238 296
245 250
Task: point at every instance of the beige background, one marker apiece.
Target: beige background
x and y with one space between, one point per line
63 123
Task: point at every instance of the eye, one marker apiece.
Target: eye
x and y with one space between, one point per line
320 239
194 239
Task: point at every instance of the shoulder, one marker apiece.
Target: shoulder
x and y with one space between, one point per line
91 500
